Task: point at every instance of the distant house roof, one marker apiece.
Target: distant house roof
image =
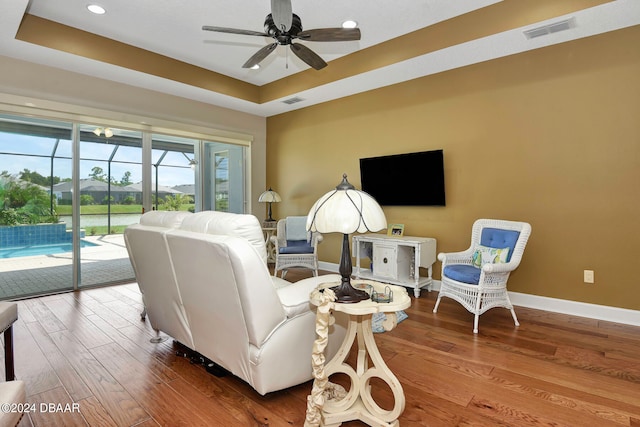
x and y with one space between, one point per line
90 184
161 188
186 188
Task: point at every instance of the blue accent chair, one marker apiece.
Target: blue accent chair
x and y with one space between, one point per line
477 285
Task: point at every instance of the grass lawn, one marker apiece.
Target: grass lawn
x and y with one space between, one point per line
115 209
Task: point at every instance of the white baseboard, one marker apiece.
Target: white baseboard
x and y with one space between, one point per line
574 308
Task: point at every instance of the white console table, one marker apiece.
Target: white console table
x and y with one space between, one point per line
396 259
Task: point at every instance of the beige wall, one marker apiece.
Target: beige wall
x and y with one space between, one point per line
551 137
61 91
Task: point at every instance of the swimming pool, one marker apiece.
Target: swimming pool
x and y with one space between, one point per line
58 248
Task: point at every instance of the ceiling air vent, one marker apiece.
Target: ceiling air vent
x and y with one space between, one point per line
550 28
293 100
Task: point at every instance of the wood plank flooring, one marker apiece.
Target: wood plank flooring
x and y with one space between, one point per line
91 348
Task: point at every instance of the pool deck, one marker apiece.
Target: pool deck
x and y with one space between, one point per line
108 262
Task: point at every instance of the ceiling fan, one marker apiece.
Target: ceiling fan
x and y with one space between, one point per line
284 26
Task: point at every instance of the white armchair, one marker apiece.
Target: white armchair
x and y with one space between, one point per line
477 277
295 246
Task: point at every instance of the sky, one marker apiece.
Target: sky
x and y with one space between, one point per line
175 172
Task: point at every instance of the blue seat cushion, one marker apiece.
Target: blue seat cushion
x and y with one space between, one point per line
463 273
499 239
297 247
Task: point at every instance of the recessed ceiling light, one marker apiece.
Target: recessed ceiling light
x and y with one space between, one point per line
349 24
98 10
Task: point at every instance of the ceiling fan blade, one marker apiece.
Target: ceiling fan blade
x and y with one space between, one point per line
234 31
308 56
282 14
330 35
260 55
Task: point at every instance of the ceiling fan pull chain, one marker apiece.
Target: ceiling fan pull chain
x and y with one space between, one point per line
286 59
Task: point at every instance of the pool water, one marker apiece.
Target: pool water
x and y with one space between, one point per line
57 248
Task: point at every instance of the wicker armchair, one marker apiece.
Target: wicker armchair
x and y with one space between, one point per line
295 247
477 278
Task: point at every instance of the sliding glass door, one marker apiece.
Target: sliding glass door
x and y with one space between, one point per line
68 191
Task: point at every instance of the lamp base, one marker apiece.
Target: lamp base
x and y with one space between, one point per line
270 218
347 294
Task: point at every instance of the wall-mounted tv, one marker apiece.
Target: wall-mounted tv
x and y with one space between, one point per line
411 179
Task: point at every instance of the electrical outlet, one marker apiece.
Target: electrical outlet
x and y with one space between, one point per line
589 276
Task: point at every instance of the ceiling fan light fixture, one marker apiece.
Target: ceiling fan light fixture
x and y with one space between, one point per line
284 27
255 67
97 9
350 24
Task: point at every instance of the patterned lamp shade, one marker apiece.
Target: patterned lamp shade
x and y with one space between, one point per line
346 210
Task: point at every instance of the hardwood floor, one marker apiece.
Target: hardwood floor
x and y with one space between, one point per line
91 348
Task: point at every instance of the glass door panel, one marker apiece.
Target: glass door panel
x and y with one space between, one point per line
35 243
110 200
223 176
174 165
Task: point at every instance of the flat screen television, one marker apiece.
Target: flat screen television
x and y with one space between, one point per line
411 179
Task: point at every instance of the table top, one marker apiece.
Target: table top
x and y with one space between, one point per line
383 237
400 300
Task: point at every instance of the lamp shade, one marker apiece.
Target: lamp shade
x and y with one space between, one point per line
269 196
346 210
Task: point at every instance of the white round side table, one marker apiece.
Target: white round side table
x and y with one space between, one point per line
357 403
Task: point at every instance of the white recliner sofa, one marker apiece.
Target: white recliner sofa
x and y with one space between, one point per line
205 282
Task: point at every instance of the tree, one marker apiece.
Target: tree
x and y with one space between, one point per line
35 178
107 200
86 199
129 200
98 174
173 203
126 179
25 203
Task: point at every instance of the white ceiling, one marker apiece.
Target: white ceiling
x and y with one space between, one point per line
173 28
